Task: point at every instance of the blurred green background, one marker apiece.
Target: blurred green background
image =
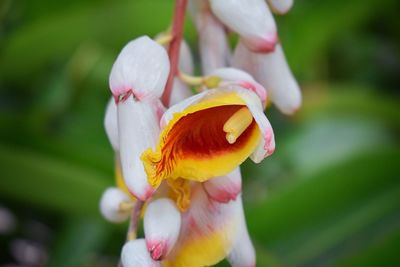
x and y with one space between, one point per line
329 196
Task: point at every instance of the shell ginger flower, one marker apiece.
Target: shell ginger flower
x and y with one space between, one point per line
209 135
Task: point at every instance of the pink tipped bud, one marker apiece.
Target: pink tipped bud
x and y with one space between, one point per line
162 222
252 20
135 254
141 68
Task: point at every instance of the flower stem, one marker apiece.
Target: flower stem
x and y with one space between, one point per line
174 47
135 216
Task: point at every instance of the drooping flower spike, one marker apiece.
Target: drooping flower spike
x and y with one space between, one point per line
208 135
137 81
251 19
273 72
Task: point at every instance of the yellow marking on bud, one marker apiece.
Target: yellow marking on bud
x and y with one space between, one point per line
212 81
209 81
126 206
131 236
237 124
164 39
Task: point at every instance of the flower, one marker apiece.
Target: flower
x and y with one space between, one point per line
273 72
208 135
137 80
252 20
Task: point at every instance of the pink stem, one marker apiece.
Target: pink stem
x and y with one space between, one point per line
174 47
135 216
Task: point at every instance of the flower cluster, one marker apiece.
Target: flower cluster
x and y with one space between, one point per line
177 164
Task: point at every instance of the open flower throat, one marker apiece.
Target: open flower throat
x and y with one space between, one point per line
203 141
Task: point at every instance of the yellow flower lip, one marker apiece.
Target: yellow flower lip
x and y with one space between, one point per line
210 135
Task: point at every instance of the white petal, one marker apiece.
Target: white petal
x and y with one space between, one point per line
162 223
213 43
110 202
273 72
242 254
180 91
251 19
185 58
111 124
266 146
280 6
135 254
143 67
245 80
138 130
224 188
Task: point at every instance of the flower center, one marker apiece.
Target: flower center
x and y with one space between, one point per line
237 124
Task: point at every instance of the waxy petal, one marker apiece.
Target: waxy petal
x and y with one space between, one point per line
111 124
245 80
213 44
110 205
280 6
209 231
181 90
135 254
251 19
193 145
142 68
138 130
162 223
243 253
224 188
273 72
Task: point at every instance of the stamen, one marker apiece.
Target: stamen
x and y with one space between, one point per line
237 124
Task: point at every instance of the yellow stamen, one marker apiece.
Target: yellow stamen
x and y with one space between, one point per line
126 206
237 124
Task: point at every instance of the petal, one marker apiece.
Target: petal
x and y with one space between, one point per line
224 188
111 124
110 205
138 130
245 80
242 254
209 230
213 43
273 72
193 144
185 58
162 223
280 6
135 254
142 67
252 20
180 91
